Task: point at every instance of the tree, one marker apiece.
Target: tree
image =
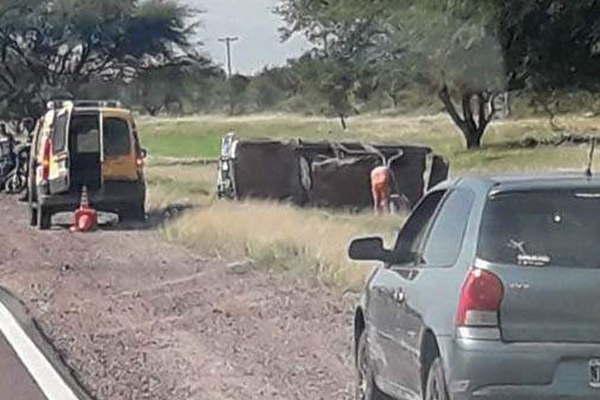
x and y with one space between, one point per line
451 46
538 35
343 42
238 87
48 49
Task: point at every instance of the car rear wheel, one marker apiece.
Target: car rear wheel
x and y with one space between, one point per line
365 385
44 218
436 382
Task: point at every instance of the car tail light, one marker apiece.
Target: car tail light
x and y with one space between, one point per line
480 299
47 155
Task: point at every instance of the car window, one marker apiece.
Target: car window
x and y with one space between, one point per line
59 134
85 133
117 140
542 228
414 230
448 229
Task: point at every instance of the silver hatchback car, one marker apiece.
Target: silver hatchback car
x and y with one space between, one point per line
492 291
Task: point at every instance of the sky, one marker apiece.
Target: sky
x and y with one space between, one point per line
256 26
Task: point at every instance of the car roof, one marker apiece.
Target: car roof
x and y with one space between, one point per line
530 182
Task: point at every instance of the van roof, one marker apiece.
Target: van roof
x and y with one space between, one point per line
107 109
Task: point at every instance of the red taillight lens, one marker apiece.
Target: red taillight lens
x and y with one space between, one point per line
46 159
480 299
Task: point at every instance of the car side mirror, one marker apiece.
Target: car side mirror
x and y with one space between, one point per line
369 249
144 153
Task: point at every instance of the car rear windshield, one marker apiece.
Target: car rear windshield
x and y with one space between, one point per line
542 228
117 141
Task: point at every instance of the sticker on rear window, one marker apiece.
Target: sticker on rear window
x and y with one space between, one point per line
528 260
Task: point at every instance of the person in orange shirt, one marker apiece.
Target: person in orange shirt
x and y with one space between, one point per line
381 187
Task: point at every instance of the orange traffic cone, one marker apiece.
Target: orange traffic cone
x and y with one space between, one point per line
86 218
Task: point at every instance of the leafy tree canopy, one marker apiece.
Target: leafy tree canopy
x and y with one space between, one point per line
49 48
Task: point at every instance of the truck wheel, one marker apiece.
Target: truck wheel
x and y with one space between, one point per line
436 382
44 218
365 385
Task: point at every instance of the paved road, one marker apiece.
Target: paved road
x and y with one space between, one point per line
15 380
29 367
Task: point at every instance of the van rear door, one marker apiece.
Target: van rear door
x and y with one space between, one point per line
543 245
85 150
58 174
119 151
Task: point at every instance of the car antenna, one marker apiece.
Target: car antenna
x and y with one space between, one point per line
588 171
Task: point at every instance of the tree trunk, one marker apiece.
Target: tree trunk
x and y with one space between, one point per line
394 97
472 126
343 121
473 139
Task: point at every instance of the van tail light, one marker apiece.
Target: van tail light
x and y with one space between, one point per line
480 300
47 155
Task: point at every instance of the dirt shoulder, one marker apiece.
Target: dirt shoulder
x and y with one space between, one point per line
139 318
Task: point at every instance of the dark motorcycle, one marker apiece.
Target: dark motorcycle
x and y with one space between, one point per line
16 181
7 161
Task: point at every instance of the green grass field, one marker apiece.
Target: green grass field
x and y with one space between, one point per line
199 137
313 242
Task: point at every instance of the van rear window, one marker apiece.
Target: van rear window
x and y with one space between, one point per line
85 133
117 140
59 134
542 228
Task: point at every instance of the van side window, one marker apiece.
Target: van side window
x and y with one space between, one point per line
117 140
59 135
414 230
448 230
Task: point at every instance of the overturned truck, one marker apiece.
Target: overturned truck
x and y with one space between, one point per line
323 174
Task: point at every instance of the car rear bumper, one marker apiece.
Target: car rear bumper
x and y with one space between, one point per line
490 370
111 197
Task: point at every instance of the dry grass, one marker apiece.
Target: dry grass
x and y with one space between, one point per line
190 185
281 237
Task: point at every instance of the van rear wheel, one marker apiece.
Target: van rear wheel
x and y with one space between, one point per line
32 215
133 213
44 218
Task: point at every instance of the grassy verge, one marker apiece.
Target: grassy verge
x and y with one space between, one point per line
282 238
187 185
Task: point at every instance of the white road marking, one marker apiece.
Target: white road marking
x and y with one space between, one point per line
45 375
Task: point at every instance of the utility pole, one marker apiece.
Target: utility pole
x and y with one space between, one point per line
228 40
